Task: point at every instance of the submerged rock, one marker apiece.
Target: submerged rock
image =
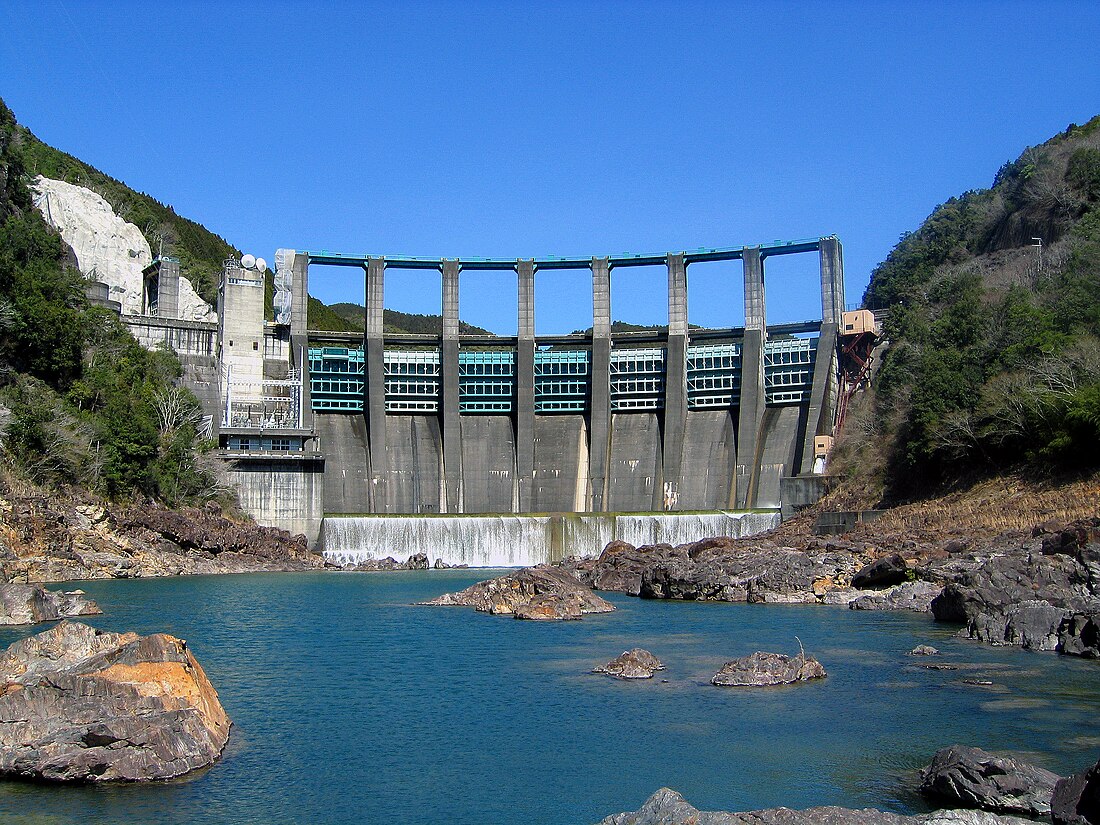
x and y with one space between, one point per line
32 603
84 705
961 776
924 650
518 590
762 668
666 807
1076 799
637 663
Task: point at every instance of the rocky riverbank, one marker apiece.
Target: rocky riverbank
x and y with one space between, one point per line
65 537
1039 589
666 807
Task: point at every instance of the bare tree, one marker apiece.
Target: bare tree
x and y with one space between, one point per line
175 408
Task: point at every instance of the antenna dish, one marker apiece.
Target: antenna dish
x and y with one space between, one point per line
248 261
261 265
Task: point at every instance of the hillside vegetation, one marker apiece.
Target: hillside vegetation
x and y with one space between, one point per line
80 401
401 322
994 356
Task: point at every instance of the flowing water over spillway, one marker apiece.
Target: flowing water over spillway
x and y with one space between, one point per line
351 705
521 540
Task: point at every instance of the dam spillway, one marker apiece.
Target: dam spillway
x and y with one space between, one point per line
521 540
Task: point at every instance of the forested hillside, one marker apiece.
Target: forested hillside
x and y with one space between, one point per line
402 322
994 330
80 401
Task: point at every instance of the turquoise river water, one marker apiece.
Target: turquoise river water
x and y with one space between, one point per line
351 705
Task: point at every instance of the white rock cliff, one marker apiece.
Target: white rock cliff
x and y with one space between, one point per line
107 248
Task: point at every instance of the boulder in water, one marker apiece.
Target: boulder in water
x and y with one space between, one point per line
965 777
762 668
32 603
506 594
924 650
632 664
84 705
1076 799
666 807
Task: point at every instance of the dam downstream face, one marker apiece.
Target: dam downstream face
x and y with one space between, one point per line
521 540
352 705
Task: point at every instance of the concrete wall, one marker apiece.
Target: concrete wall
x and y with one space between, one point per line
185 337
488 463
342 437
635 466
779 452
281 493
414 450
561 464
709 459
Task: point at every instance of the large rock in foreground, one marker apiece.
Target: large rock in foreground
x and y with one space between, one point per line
1076 799
762 668
32 603
542 592
632 664
84 705
971 778
666 807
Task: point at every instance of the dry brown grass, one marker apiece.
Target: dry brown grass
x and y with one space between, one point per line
997 506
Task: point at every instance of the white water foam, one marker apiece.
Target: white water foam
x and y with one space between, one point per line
517 540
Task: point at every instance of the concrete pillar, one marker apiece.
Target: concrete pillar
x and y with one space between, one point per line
599 403
823 394
832 280
449 412
374 386
299 289
525 386
168 271
674 417
751 407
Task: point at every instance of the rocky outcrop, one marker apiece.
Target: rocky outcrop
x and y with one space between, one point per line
666 807
752 569
542 592
83 705
108 249
884 572
916 596
30 604
965 777
924 650
637 663
760 669
1076 799
72 536
1036 597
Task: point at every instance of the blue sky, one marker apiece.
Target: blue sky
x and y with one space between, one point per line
513 129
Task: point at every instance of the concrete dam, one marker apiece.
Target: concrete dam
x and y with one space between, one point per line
341 427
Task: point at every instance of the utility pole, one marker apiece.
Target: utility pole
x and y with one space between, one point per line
1038 247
